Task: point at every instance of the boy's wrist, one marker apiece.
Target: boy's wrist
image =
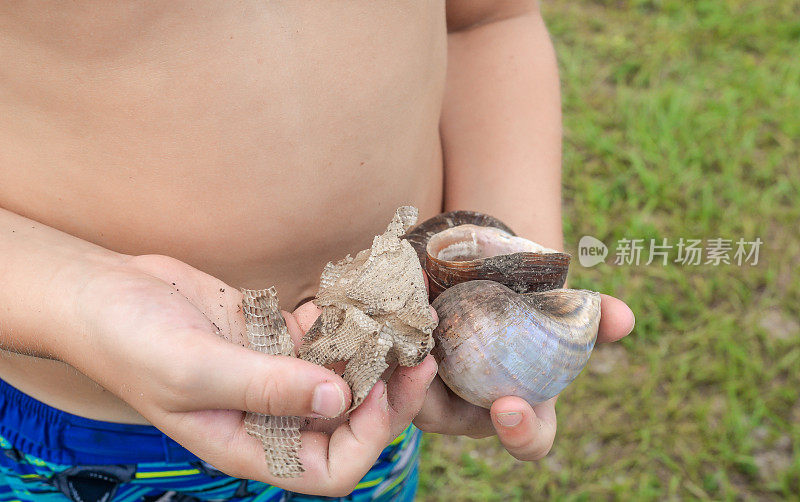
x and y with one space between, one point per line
77 292
43 272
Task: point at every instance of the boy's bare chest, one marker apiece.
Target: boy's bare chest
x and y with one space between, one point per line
254 141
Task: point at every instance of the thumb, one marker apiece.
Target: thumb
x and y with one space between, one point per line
242 379
616 319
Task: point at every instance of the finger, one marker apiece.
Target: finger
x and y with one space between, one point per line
333 465
355 446
242 379
406 392
296 332
306 314
219 438
443 412
527 433
616 319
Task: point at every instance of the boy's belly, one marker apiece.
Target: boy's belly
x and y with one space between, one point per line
254 144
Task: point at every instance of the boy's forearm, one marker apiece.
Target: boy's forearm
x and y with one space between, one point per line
501 126
42 273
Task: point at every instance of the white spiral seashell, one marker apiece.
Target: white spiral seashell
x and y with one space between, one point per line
492 342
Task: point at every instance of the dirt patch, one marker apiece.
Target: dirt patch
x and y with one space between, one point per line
607 358
779 326
773 462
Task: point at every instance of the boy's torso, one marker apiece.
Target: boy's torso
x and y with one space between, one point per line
254 140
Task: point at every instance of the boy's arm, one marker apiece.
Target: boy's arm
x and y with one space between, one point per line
501 120
141 326
501 135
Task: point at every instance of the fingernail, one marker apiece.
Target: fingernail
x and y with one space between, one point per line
328 400
632 320
509 419
633 323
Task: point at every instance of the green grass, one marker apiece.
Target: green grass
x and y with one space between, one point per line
682 119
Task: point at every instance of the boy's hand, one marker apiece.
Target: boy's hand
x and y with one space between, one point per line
153 338
526 432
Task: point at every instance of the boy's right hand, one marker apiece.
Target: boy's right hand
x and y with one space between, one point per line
152 337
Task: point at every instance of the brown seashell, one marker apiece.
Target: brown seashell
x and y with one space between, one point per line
493 342
468 252
421 234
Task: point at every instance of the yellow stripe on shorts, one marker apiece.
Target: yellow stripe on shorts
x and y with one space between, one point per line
166 474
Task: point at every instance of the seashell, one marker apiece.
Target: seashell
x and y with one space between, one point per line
503 327
422 233
493 342
468 252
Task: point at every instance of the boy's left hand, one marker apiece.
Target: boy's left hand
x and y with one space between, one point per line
526 432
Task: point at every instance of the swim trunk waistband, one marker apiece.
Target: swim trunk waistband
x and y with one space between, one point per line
56 436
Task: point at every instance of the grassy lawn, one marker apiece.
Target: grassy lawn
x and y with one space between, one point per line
682 119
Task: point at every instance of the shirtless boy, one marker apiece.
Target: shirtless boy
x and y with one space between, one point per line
156 156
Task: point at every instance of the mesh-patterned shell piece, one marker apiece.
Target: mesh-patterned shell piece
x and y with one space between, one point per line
375 310
267 333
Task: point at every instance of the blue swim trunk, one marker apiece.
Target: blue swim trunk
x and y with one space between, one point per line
49 455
